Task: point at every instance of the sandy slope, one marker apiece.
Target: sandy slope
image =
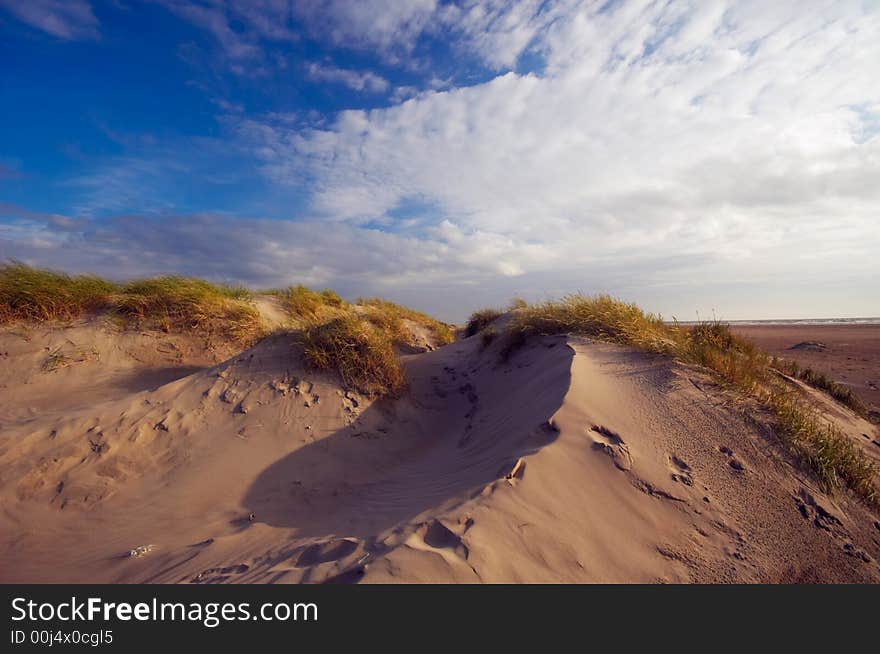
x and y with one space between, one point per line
575 461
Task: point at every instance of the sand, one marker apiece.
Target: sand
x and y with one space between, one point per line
851 355
574 461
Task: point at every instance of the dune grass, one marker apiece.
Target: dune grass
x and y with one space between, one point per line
32 294
183 304
304 304
735 361
827 451
821 381
179 304
358 351
358 341
479 320
391 316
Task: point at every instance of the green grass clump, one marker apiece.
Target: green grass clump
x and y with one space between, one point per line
184 304
830 454
601 317
382 312
357 341
479 320
361 354
56 359
304 304
735 361
169 303
821 381
32 294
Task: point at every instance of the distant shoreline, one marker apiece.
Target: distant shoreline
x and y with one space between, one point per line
796 321
850 352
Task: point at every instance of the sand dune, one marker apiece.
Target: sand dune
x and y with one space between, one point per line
575 461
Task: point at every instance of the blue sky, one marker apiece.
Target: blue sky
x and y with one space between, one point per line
690 156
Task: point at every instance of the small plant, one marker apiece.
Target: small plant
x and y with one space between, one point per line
362 355
479 320
56 359
821 381
391 316
831 455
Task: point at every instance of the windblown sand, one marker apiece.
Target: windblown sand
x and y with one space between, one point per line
142 457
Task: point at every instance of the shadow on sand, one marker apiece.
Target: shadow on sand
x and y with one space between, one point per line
365 479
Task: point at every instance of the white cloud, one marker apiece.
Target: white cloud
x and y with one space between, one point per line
684 154
239 27
355 80
720 132
66 19
385 25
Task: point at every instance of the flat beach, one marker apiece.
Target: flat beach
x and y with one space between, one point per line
851 352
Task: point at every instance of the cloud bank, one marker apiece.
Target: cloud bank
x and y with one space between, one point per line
688 155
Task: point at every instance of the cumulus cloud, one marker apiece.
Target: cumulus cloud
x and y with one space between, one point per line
671 152
718 131
66 19
259 252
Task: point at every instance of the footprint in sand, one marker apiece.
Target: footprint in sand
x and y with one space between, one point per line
732 461
331 550
855 552
612 444
680 471
439 536
814 511
219 575
469 390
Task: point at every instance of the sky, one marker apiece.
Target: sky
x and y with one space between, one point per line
695 157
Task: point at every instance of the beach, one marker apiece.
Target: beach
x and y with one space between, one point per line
850 356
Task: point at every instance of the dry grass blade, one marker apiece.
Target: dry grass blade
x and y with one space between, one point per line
362 356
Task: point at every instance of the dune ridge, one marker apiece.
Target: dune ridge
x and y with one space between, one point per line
571 461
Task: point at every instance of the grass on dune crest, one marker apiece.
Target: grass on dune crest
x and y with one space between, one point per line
479 320
32 294
357 341
304 304
361 354
735 361
184 304
821 381
386 313
600 317
169 303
